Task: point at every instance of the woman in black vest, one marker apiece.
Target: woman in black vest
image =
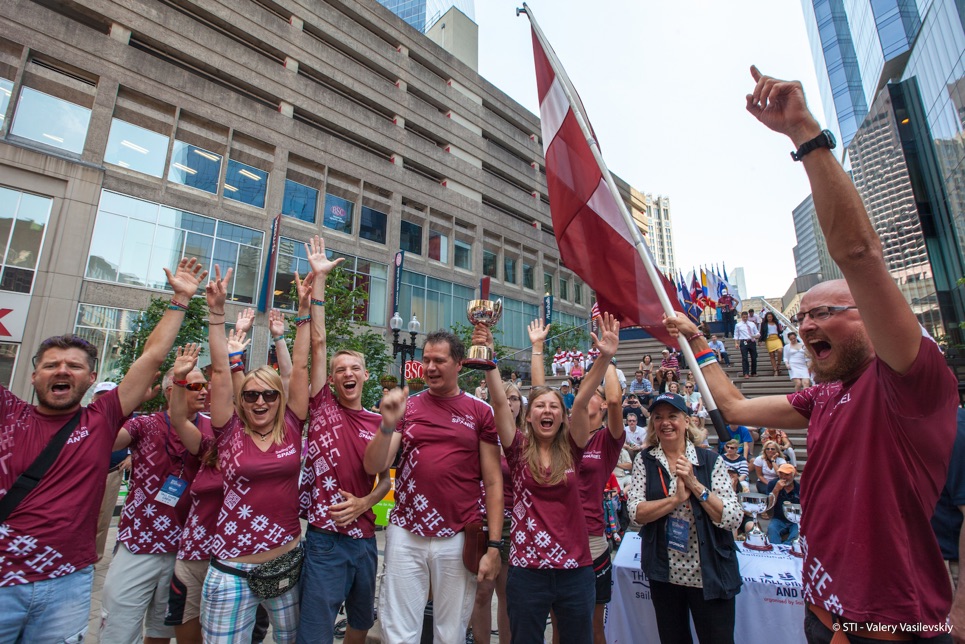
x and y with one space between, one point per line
682 496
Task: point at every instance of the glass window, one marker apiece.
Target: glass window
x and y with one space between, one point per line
106 328
245 183
438 246
411 237
8 352
338 214
372 225
23 222
134 240
528 276
509 270
462 257
51 121
195 167
300 201
136 148
578 293
564 289
489 263
6 90
436 303
548 283
514 321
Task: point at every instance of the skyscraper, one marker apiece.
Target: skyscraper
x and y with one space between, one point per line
422 14
891 77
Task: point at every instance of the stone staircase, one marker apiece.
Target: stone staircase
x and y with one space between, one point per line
631 352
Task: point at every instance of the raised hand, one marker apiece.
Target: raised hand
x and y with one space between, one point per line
304 289
187 357
186 278
679 324
246 320
780 105
237 341
609 339
318 260
393 406
276 323
216 292
538 332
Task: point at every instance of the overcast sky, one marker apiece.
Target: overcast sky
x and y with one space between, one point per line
663 83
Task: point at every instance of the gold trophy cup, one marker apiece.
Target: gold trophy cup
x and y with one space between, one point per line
482 312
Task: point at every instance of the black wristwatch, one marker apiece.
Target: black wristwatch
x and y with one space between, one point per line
823 140
498 545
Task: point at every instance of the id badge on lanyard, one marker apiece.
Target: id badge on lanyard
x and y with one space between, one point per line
170 493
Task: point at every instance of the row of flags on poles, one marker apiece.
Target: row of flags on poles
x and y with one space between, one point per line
703 289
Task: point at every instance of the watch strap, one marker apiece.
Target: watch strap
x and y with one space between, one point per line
495 544
823 140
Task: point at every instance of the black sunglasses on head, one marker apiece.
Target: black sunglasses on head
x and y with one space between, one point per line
268 395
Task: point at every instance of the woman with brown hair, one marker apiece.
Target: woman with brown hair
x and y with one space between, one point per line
550 562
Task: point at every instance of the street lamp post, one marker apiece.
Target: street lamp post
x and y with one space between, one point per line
406 348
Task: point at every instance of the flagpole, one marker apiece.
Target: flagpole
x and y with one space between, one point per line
709 403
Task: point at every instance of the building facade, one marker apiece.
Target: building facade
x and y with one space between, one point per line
136 132
423 14
891 75
811 256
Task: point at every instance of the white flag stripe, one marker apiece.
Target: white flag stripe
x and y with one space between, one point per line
601 201
552 111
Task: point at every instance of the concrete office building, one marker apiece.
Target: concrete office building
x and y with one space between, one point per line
136 132
891 76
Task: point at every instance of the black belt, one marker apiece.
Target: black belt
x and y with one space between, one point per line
312 528
237 572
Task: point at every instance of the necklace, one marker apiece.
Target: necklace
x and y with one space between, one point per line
264 436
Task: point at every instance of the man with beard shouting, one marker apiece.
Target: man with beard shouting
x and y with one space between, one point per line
47 540
881 421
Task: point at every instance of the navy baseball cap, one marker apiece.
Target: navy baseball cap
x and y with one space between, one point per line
674 400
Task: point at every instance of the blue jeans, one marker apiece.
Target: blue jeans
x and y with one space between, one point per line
531 593
777 526
48 611
337 569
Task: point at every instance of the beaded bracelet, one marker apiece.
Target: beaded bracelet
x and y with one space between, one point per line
694 336
318 302
305 319
277 339
174 305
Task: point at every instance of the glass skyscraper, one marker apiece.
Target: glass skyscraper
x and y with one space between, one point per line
892 78
422 14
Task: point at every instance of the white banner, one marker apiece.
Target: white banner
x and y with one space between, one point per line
769 607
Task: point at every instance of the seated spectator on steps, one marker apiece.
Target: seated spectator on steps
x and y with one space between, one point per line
766 465
734 461
782 490
783 443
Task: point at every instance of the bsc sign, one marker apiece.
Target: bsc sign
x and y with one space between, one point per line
413 369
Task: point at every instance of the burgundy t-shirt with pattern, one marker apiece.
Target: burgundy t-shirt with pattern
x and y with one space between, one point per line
337 438
878 452
260 507
148 526
600 456
548 531
201 526
437 485
51 532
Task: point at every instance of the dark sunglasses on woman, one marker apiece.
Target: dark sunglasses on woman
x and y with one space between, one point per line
268 395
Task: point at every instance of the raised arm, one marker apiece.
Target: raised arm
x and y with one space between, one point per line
184 282
537 337
614 401
188 432
221 390
768 411
505 423
382 448
321 267
852 241
237 343
276 328
607 343
298 385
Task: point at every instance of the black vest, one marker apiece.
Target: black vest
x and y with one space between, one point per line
718 554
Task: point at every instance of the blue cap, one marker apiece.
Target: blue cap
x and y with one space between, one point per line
674 400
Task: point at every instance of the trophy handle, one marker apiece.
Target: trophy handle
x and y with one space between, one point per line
498 309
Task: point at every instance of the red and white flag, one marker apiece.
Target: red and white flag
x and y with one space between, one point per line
592 235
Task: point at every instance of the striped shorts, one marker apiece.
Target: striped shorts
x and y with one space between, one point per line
228 609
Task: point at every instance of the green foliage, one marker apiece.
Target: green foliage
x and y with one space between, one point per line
346 328
563 336
469 379
193 329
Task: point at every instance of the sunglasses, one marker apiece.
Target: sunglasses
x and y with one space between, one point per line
268 395
196 386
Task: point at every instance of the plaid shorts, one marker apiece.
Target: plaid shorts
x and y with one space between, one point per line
228 608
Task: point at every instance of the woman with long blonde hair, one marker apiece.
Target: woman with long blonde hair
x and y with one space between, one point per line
550 562
766 465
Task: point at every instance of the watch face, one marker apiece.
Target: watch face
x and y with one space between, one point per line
830 136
